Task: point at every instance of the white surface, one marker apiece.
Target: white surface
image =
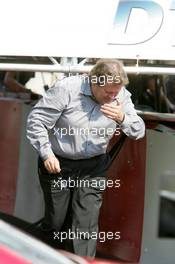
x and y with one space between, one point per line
85 29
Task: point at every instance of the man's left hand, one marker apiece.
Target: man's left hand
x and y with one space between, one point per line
113 111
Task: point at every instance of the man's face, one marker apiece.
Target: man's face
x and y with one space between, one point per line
106 94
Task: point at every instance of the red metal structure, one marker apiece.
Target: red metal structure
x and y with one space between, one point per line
123 207
10 133
9 257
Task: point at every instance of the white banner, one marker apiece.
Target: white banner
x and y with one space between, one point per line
88 28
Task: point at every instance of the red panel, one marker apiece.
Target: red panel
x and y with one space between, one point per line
10 126
9 257
87 260
123 207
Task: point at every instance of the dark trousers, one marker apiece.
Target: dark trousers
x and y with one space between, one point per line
76 192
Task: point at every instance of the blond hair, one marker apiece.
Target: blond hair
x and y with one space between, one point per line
110 67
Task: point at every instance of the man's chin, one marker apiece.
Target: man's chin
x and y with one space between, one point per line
107 101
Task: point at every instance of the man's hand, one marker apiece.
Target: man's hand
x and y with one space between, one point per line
113 111
52 164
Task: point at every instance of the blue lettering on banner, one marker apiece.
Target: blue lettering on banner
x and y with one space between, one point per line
155 16
173 5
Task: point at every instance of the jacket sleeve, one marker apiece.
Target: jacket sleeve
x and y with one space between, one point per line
43 117
133 125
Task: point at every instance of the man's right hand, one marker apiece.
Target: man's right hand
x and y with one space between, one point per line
52 164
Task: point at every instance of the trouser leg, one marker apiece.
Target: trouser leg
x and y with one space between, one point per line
85 205
56 198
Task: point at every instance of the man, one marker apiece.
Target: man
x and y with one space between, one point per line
65 128
15 82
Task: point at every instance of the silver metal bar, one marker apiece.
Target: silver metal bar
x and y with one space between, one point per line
150 70
82 68
44 68
83 61
53 60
